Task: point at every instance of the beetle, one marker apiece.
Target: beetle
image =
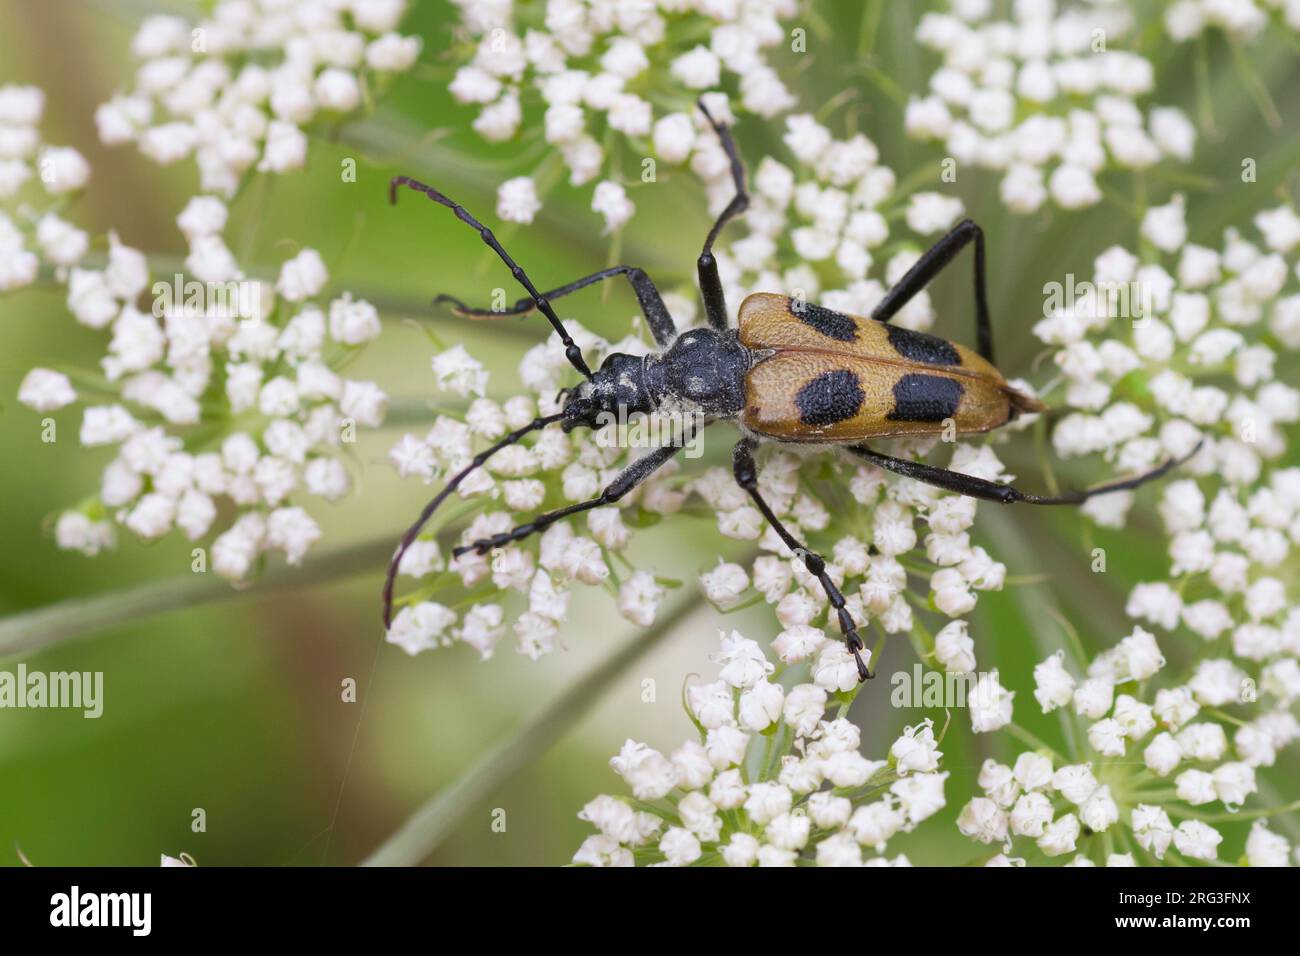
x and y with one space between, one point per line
790 372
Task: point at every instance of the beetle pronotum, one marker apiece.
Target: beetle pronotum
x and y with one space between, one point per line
791 372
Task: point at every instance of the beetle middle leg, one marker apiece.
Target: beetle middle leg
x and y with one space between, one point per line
931 263
620 487
746 472
656 314
1005 494
715 303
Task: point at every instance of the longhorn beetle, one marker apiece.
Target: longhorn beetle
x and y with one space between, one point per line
791 372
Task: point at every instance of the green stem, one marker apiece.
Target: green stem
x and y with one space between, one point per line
79 618
1230 817
1255 85
1024 736
426 828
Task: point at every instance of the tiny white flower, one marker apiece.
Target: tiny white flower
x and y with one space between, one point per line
517 200
610 200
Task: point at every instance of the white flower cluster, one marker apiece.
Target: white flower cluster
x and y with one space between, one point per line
235 90
871 565
771 781
1147 761
551 470
1195 328
602 69
1199 364
1043 99
1241 19
27 237
225 388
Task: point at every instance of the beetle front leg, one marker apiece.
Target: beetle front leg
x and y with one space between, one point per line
616 490
746 472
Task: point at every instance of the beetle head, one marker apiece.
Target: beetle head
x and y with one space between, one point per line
617 388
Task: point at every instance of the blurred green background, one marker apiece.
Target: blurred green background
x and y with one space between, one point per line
233 705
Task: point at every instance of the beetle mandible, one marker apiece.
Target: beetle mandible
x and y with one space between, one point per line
790 372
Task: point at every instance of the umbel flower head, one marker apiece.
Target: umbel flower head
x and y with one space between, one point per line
887 528
1147 759
236 89
1186 20
35 180
771 780
616 80
1044 99
1197 364
531 578
225 390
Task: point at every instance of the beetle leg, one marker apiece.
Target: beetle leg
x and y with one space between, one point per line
629 478
1006 494
746 473
931 263
715 303
661 323
571 350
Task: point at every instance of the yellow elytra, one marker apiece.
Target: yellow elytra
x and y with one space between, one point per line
827 376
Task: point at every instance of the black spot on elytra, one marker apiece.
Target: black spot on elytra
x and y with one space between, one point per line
829 398
832 324
925 398
919 347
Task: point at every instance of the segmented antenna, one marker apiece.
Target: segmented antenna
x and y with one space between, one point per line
414 531
571 350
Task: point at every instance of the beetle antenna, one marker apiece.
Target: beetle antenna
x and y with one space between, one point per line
414 530
571 350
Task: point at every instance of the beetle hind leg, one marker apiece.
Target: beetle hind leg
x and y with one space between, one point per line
746 472
1006 494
